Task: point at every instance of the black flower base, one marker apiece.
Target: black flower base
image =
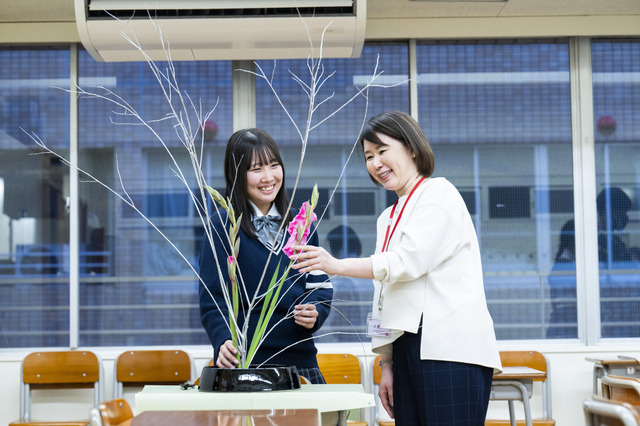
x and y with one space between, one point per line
264 378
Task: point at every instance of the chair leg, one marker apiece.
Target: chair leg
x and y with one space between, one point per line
512 413
26 408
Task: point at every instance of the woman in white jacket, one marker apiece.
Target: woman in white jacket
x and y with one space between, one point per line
430 319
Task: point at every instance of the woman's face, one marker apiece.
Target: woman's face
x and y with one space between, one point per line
391 164
263 183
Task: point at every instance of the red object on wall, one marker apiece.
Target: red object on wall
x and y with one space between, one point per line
209 130
606 125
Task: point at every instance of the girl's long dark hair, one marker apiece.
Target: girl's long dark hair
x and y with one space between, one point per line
243 145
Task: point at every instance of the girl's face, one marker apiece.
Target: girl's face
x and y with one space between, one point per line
263 183
391 164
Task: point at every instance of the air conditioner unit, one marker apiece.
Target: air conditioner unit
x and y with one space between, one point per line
221 29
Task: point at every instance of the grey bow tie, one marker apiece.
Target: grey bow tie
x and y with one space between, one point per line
267 229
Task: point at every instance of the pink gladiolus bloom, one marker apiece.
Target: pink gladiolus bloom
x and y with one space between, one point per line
231 268
298 221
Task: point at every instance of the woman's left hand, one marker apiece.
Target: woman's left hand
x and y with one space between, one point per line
385 392
305 315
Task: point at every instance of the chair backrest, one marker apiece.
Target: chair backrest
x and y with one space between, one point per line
531 359
602 412
377 370
159 367
59 370
340 368
619 388
537 361
115 412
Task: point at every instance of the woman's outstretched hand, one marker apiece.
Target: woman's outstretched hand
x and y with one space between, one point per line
312 258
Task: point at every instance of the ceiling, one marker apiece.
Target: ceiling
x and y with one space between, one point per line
15 11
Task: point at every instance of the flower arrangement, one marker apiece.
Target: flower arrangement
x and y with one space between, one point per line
298 230
187 117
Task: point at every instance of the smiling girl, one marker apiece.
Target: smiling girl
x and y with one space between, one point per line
254 176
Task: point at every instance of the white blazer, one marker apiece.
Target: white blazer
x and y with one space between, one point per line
432 271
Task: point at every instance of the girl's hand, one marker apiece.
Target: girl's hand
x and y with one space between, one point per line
227 356
312 258
305 315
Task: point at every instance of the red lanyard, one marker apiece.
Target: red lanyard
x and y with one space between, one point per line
387 237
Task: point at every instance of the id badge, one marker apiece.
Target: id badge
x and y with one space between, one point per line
373 326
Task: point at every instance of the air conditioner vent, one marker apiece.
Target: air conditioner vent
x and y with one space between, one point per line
222 13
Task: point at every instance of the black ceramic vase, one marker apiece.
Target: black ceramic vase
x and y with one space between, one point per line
252 379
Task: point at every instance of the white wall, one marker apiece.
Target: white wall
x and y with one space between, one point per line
571 379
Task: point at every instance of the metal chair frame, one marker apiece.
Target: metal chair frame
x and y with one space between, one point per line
58 370
597 409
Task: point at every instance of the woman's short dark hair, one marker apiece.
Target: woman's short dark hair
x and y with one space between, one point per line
242 146
406 130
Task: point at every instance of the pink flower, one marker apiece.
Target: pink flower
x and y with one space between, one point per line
231 268
297 225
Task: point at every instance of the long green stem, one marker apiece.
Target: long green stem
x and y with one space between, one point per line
270 299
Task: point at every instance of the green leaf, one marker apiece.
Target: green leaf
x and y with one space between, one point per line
314 197
268 306
236 248
217 197
267 297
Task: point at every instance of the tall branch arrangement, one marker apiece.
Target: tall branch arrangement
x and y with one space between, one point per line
187 116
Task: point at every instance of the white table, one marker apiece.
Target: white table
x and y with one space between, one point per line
331 401
516 384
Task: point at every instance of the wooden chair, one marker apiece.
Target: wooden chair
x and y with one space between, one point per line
537 361
115 412
342 369
605 412
621 388
58 371
304 380
157 367
377 375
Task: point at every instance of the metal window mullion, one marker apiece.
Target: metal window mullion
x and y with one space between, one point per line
74 210
584 184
